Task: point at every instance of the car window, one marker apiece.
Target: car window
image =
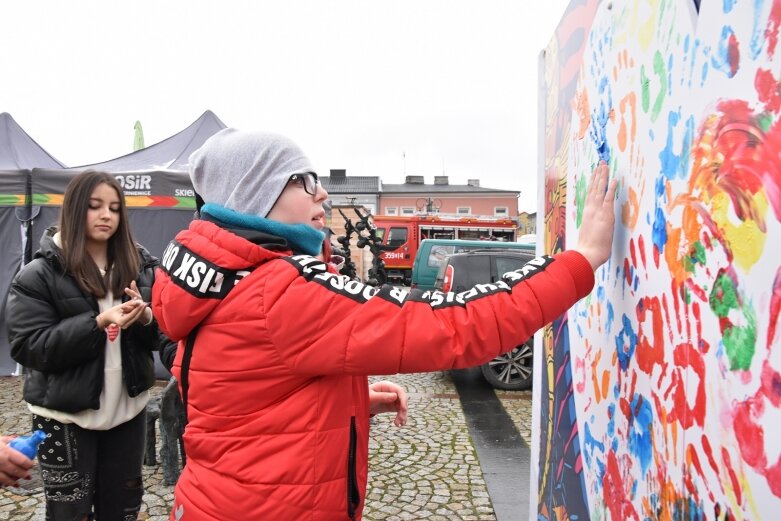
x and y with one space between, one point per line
505 264
437 255
470 270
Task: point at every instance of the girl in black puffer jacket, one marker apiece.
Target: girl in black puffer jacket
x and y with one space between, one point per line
79 322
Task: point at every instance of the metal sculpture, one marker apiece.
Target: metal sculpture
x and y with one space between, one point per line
367 236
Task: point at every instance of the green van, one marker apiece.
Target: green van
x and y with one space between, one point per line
432 252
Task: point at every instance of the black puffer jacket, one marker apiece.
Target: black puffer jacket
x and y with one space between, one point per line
54 335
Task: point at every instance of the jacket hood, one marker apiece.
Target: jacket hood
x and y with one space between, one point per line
179 307
48 248
264 239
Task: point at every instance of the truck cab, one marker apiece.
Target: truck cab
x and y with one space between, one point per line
398 261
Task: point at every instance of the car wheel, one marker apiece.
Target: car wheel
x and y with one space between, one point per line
511 371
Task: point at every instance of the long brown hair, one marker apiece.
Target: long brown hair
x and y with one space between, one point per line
123 261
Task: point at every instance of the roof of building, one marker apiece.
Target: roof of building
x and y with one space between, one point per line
351 184
373 185
412 188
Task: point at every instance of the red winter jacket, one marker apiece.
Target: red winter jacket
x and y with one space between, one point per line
277 398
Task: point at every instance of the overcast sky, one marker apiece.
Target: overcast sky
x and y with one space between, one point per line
379 88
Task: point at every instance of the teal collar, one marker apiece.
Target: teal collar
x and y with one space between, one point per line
302 237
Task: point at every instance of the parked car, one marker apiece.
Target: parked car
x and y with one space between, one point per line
433 252
459 272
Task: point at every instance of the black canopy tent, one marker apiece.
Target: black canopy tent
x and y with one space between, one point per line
157 186
158 192
19 153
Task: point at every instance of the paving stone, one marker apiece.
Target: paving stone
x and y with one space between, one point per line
427 470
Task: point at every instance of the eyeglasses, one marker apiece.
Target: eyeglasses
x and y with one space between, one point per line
308 180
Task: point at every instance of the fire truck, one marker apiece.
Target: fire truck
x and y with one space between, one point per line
401 237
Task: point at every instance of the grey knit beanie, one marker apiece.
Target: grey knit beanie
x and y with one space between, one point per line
245 171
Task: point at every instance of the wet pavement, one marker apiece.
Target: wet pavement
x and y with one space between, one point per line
504 455
442 466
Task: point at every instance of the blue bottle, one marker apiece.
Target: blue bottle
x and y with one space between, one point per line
28 445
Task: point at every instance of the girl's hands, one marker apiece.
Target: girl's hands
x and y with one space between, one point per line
127 313
134 294
123 315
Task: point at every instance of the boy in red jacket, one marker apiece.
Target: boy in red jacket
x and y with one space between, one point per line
275 347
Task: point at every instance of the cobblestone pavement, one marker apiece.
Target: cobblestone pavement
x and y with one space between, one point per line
426 470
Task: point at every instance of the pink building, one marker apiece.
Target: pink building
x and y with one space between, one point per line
415 197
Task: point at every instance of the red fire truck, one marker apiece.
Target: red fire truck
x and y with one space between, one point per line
403 235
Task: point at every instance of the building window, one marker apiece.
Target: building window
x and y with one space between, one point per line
405 210
464 210
500 211
391 210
